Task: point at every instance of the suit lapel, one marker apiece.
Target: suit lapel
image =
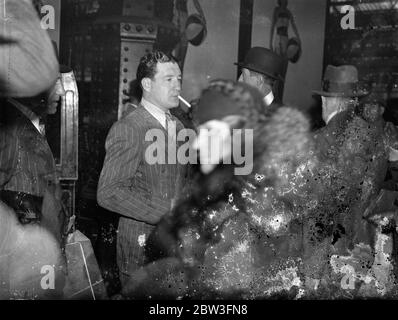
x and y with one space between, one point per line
29 131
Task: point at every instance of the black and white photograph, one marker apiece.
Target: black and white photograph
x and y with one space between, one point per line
174 152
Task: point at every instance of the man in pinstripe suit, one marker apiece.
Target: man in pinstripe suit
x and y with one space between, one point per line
28 179
142 192
29 184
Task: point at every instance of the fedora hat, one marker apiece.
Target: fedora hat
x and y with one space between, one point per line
341 81
293 51
195 29
264 61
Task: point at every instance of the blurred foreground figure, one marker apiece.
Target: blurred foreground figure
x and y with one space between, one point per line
28 64
29 255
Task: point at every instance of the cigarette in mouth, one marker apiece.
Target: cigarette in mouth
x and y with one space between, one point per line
184 101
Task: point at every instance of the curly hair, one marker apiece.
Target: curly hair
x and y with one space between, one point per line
148 64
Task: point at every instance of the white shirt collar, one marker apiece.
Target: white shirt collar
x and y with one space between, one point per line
331 116
269 98
155 111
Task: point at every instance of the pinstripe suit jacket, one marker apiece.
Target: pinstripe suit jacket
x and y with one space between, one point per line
140 192
27 164
26 161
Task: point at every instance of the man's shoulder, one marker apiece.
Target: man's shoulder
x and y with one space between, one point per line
135 121
134 118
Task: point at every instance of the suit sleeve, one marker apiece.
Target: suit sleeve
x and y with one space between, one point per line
117 188
28 65
8 154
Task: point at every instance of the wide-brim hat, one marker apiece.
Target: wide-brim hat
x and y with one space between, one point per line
342 81
196 29
265 61
293 51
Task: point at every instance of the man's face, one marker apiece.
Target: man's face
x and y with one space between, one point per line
263 83
268 83
332 104
165 86
54 96
248 78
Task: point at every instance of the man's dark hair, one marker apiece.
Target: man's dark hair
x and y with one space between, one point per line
148 63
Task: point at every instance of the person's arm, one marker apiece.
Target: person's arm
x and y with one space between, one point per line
28 64
117 187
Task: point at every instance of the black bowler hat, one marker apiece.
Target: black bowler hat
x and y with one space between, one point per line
341 81
264 61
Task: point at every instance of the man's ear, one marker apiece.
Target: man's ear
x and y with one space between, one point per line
146 84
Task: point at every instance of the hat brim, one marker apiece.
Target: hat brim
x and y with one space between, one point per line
240 64
338 94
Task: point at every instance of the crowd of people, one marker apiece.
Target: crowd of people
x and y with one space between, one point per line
312 218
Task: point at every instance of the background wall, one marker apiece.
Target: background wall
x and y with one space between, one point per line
215 57
305 75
